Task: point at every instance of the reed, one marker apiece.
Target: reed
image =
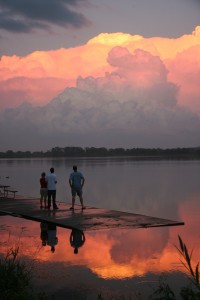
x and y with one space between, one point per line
187 262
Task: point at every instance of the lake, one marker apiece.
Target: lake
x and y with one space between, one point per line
112 263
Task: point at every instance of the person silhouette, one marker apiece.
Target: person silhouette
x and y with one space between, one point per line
43 191
44 233
52 240
51 186
77 239
76 182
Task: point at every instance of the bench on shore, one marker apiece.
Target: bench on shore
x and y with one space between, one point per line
6 191
3 188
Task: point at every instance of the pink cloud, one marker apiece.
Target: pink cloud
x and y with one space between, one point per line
140 69
185 73
38 91
128 60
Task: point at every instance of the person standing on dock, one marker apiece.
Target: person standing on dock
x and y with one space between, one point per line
43 191
51 186
76 182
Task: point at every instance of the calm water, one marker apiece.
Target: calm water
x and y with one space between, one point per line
114 262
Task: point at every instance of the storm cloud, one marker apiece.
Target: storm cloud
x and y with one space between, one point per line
26 16
117 90
134 106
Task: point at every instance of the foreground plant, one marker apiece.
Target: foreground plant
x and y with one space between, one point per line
15 278
187 263
164 291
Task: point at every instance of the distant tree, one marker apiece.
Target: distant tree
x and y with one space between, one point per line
117 151
92 151
189 153
74 151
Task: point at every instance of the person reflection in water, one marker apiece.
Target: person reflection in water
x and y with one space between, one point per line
44 233
77 239
52 239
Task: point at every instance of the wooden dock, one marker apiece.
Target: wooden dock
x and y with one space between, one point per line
91 218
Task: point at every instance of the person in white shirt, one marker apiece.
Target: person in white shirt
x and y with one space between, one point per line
51 186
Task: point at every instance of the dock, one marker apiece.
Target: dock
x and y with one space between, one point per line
91 218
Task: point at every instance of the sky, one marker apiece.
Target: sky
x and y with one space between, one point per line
99 73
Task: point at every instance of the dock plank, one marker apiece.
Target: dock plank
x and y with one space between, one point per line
91 218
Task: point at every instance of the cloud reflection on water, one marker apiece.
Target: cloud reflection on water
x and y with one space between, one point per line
110 254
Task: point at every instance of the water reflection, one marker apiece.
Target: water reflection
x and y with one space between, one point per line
121 255
77 239
110 259
48 235
52 239
44 233
110 253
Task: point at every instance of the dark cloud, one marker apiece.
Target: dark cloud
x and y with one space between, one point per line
25 16
16 25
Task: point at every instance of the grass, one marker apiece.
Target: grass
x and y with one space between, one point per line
192 292
187 263
15 279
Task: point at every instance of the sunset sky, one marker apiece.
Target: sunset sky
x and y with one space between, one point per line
99 73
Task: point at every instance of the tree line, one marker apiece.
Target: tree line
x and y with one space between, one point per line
104 152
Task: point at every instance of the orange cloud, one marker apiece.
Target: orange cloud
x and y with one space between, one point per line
18 90
39 77
185 73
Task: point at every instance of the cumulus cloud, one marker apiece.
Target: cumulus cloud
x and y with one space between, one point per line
25 16
22 89
113 110
185 73
128 91
180 58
